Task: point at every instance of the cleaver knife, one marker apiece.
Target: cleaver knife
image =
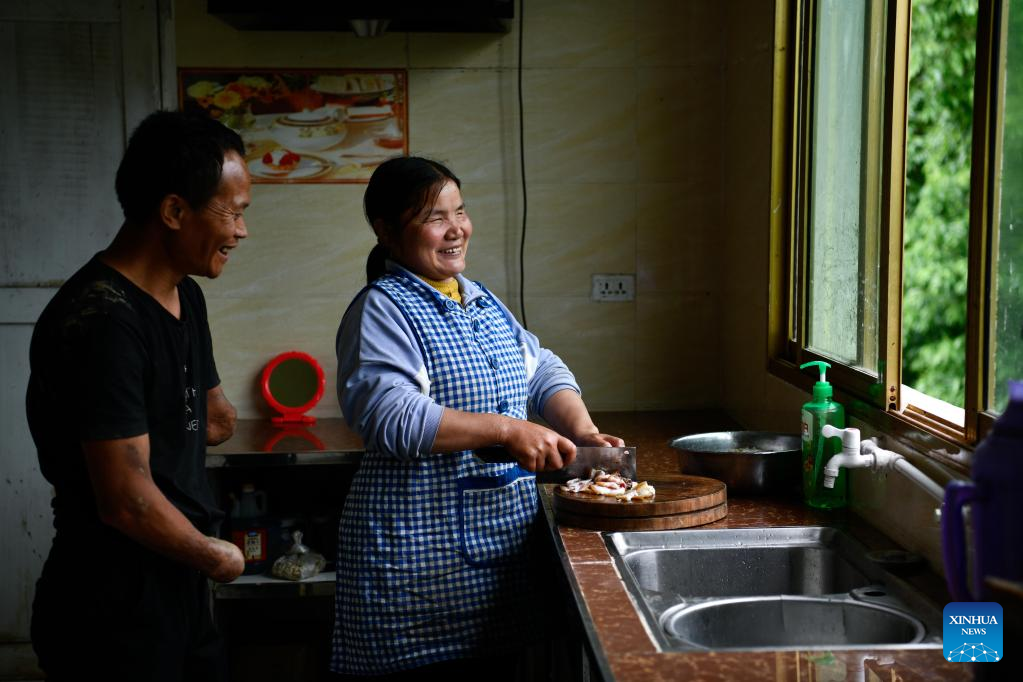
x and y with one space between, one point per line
622 460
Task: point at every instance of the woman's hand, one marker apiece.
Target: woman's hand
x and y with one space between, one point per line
600 439
535 447
567 413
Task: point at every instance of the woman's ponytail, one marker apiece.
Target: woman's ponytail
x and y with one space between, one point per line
375 263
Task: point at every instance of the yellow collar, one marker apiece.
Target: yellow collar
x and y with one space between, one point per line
448 287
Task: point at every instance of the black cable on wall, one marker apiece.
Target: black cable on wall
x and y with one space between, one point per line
522 162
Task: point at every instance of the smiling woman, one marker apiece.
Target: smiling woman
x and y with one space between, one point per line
435 243
431 367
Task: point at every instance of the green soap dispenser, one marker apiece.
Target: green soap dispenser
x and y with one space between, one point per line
817 450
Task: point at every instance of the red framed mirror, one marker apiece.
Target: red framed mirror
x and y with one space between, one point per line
292 385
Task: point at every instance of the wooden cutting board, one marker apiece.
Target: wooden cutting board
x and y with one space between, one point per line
668 522
681 502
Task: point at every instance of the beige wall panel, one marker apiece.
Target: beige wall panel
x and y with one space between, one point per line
753 397
750 34
578 230
580 125
464 50
677 351
488 257
678 238
678 126
673 33
303 240
465 118
596 33
596 341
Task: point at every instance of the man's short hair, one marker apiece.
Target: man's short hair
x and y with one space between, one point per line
173 152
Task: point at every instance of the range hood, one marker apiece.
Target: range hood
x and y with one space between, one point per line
367 17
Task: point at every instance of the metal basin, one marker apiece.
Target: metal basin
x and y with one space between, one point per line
790 622
769 589
749 462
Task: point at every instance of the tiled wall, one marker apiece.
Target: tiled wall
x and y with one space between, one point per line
624 155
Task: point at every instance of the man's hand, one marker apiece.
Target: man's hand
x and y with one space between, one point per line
220 416
228 562
129 501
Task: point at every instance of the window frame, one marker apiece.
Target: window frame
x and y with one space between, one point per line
872 398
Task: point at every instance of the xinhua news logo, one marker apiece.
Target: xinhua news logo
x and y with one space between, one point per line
972 632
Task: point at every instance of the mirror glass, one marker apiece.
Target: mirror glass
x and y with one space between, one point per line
294 382
292 385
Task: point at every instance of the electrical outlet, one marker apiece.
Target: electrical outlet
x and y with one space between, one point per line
613 288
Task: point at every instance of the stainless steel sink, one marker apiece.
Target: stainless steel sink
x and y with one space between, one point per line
769 589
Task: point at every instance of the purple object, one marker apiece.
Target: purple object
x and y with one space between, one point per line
996 498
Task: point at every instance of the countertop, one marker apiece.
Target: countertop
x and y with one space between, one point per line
259 442
625 651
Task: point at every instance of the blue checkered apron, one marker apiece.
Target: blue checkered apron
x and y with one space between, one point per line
431 558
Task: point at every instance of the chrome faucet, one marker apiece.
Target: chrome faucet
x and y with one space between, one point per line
867 455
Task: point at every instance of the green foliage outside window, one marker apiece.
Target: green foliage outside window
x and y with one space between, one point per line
942 58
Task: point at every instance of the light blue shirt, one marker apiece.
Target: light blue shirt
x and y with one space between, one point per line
382 382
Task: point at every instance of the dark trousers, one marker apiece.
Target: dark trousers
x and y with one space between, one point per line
495 669
106 608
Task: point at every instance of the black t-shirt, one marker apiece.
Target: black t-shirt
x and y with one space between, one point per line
108 361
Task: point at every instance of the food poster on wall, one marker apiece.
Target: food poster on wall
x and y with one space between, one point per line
306 125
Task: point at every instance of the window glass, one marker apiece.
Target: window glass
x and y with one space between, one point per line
842 264
936 231
1008 334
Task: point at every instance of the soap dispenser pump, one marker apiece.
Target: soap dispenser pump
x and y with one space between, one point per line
817 449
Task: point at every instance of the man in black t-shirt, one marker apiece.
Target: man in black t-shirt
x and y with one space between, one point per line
123 398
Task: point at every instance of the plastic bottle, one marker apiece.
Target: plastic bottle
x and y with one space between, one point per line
817 450
249 528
